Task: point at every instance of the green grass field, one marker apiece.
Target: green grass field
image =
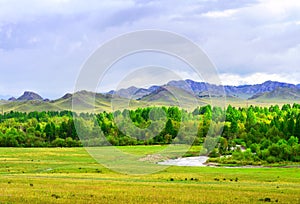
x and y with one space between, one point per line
70 175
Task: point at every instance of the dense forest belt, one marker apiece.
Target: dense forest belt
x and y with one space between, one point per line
252 135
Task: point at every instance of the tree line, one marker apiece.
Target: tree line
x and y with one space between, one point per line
257 135
252 134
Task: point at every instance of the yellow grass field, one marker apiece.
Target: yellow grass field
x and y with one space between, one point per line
70 175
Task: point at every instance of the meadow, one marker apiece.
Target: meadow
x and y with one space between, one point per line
71 175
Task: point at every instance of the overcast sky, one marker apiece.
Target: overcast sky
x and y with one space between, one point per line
43 44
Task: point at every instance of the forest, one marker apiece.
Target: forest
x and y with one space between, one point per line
252 135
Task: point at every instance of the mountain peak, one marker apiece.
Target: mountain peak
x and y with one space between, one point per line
67 95
29 96
273 82
12 99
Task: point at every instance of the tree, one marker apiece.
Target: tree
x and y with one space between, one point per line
290 126
167 138
174 113
297 127
50 131
169 129
293 141
251 119
223 145
234 127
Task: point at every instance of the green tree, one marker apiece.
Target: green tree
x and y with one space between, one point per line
297 127
50 131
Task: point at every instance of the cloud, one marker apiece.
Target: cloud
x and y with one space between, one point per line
51 39
258 78
30 10
255 38
220 14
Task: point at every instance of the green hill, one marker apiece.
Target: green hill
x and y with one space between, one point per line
85 102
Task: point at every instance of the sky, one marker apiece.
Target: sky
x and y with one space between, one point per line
44 44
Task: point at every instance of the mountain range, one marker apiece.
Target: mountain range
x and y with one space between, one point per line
167 94
202 90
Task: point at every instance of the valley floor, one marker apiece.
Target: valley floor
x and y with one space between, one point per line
70 175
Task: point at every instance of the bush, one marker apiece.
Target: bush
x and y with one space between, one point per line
271 159
214 153
58 142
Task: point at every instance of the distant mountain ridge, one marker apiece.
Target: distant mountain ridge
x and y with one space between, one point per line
267 86
168 94
203 89
200 89
281 93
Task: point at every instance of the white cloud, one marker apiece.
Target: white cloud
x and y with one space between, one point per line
14 11
220 14
34 40
279 7
250 41
258 78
